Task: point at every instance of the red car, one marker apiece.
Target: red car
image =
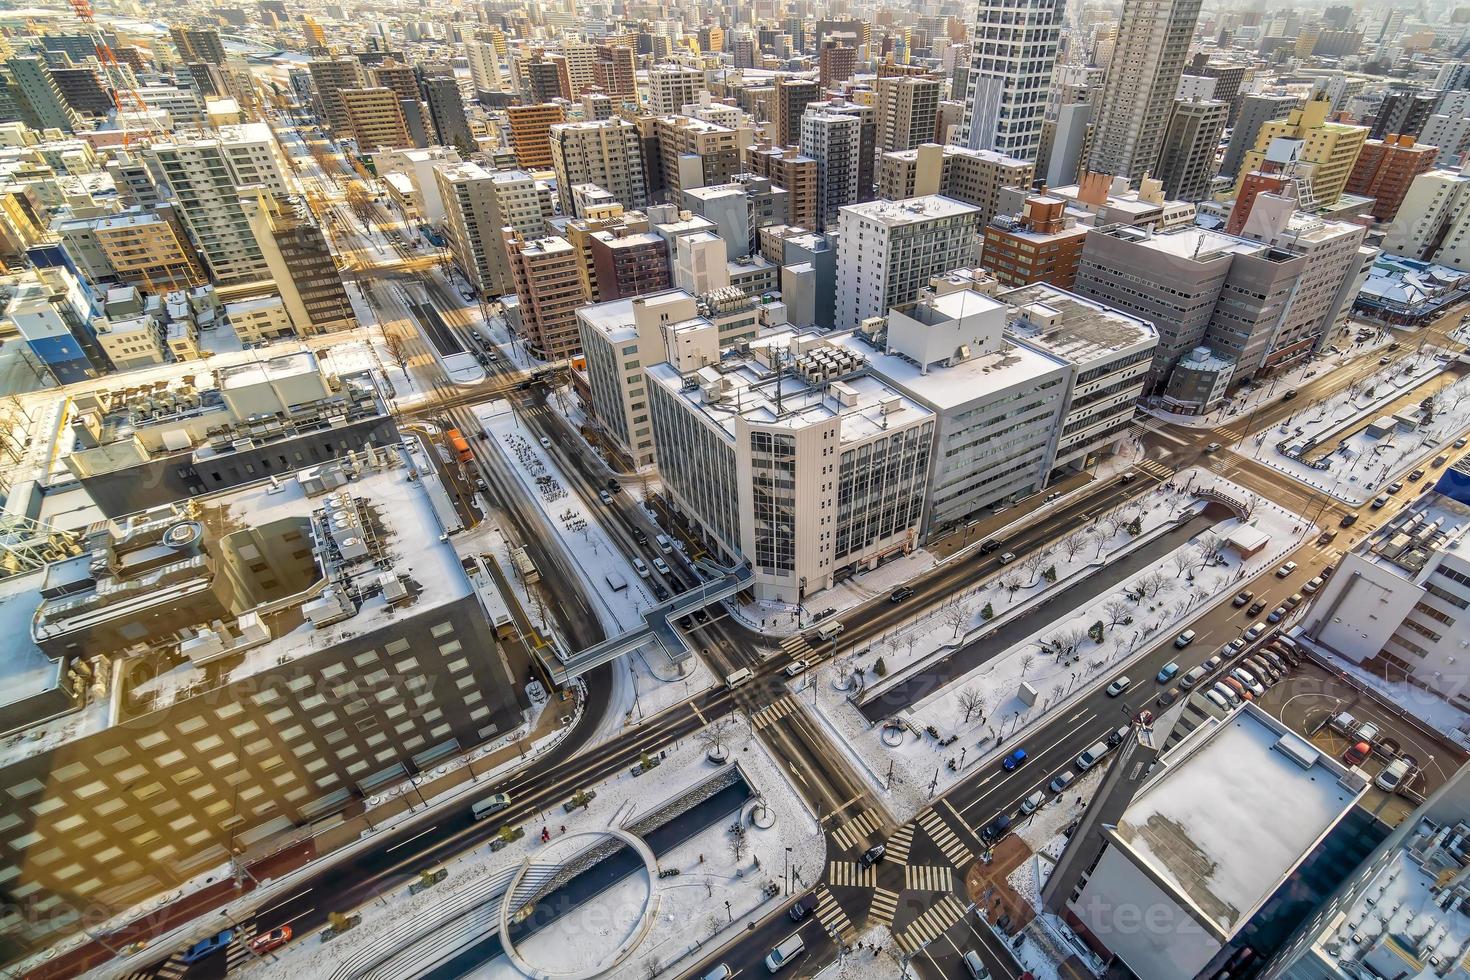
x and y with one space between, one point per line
267 941
1357 754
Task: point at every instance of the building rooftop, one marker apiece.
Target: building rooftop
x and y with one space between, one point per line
1208 825
909 211
1072 327
820 381
1410 541
1197 244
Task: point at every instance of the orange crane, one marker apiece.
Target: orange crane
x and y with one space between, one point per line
125 98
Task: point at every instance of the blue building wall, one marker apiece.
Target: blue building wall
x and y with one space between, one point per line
64 357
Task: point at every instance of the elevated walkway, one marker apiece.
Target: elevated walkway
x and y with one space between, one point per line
657 631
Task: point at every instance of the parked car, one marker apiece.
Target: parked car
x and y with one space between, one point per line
1392 776
997 828
1214 662
1227 692
1192 677
640 567
1256 607
974 966
1248 680
1286 569
1264 670
1276 615
1380 501
1348 520
1218 699
1292 601
1241 598
1014 761
1395 487
267 941
1119 686
1184 639
1357 753
1312 585
208 947
1091 755
1254 630
1241 691
1167 698
798 911
1416 474
1032 803
1166 674
1062 781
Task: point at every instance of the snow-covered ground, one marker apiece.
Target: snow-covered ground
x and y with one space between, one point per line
780 618
983 709
861 964
1361 465
1245 401
366 351
690 908
645 685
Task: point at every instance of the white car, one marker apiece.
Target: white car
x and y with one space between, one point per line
1286 569
661 566
1119 686
545 443
795 667
1248 679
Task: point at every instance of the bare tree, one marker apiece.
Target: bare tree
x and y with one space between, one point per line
1067 640
1011 583
1033 564
1183 561
393 344
956 615
1117 611
1027 659
972 699
716 736
1209 544
738 843
1073 543
1113 522
1152 583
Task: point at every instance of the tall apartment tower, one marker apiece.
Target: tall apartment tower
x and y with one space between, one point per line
1187 158
603 152
196 44
376 119
300 262
548 283
867 119
530 132
906 107
330 76
477 205
1011 65
37 96
211 207
446 111
833 140
1255 112
484 63
672 87
790 101
1143 77
795 172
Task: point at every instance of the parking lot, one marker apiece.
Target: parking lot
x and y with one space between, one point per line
1310 696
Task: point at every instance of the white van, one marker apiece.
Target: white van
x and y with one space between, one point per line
1392 775
1089 757
640 568
829 629
786 950
664 545
742 676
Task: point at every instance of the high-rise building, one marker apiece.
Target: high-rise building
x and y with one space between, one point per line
197 44
1187 156
672 87
145 250
1403 112
888 250
37 98
401 78
1143 76
834 140
376 119
628 263
605 153
446 111
548 285
616 71
1255 111
1014 53
974 176
836 63
329 76
301 264
479 203
868 138
1433 222
905 108
484 62
530 132
1041 244
794 171
788 101
1324 151
1385 170
697 154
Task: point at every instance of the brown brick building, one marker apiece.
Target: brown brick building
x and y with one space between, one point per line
1041 244
1386 168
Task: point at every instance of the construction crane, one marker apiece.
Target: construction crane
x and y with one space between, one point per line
125 97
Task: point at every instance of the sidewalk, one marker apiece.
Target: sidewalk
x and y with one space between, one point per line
271 874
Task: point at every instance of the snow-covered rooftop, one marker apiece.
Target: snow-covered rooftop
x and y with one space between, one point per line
1210 826
1072 327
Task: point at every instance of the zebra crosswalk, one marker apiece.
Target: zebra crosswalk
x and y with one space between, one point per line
773 712
853 833
885 904
935 920
897 846
830 914
1154 468
852 874
928 878
174 967
954 849
795 646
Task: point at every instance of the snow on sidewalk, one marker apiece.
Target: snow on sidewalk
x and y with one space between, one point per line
983 710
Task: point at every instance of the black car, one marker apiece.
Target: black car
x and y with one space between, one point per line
660 591
991 545
900 594
1290 394
639 536
798 912
613 485
1256 607
997 828
873 855
1348 520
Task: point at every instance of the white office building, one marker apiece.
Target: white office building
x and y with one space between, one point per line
1011 62
789 453
834 140
887 250
479 203
1399 603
